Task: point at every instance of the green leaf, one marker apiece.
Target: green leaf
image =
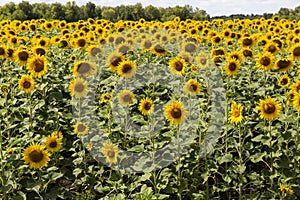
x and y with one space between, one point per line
226 158
257 157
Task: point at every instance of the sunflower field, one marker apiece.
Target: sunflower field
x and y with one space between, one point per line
150 110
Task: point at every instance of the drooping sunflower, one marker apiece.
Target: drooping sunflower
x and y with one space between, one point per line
146 106
22 56
106 98
189 47
37 66
125 97
295 51
113 60
4 89
126 69
84 68
36 156
232 67
94 50
269 108
192 87
177 65
296 86
110 152
202 60
175 112
283 64
265 61
236 115
3 52
158 50
78 88
26 83
53 143
81 128
284 81
296 101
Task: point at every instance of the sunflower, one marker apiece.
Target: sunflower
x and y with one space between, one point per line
79 42
106 98
22 56
78 88
236 113
177 65
3 52
124 48
158 50
269 108
84 68
272 48
146 44
39 50
36 156
53 143
126 69
290 96
218 52
296 86
232 67
247 42
146 106
4 89
235 55
295 51
113 60
110 152
175 112
247 53
265 61
125 97
37 66
192 87
284 81
189 47
283 64
93 51
81 128
296 101
202 60
26 83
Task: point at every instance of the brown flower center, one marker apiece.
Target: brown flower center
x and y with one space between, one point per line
124 49
232 66
265 61
247 41
40 51
26 84
247 53
236 113
296 51
36 156
178 66
127 68
79 87
269 108
159 49
190 48
84 68
203 61
272 49
81 42
81 127
147 106
2 51
284 81
23 56
115 61
176 113
193 88
53 144
147 44
126 98
282 64
38 65
111 153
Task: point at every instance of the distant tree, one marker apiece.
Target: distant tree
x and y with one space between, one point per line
152 13
109 13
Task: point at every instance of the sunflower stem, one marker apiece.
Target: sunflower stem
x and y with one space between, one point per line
240 164
178 165
271 153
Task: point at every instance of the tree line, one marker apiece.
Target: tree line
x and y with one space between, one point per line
71 12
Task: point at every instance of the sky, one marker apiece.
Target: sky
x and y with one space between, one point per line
212 7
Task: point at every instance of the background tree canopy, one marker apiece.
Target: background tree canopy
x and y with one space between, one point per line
72 12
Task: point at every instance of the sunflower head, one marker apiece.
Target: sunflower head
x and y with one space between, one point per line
113 60
236 113
84 68
192 87
232 67
106 98
110 152
284 81
177 65
81 128
295 51
37 66
26 83
146 106
53 143
4 89
126 69
189 47
94 50
296 86
158 50
36 156
175 112
202 60
265 61
78 88
269 109
22 56
125 97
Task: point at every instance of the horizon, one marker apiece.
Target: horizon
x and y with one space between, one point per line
213 8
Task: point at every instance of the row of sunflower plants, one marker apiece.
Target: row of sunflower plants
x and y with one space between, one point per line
149 110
